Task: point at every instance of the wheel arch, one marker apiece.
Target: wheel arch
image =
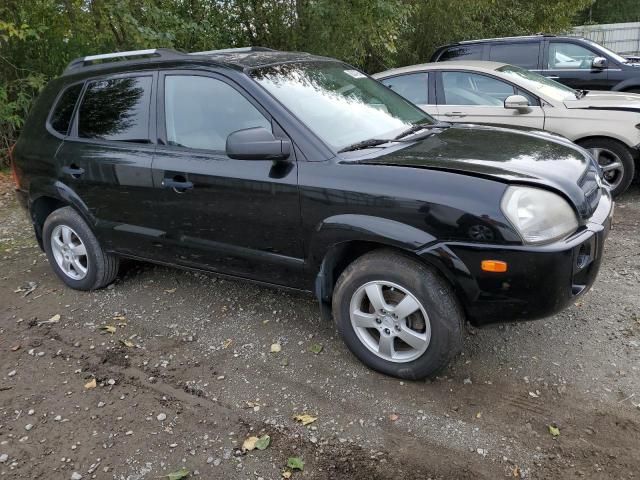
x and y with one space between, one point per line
52 197
340 240
604 137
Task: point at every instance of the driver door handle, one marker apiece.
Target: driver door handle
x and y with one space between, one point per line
178 183
73 170
455 114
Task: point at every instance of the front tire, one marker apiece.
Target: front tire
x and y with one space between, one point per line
397 315
75 253
616 161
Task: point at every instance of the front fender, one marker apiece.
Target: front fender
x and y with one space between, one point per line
339 229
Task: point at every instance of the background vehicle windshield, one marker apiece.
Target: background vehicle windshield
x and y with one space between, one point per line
340 104
606 51
539 84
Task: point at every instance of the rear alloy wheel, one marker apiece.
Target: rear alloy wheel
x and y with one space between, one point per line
616 162
75 253
397 315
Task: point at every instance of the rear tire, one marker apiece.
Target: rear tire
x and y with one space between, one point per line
75 253
376 336
611 152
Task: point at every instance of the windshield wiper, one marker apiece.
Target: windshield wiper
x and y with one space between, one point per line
581 93
418 127
372 142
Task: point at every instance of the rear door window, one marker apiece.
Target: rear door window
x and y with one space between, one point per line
62 112
116 109
524 55
412 86
462 52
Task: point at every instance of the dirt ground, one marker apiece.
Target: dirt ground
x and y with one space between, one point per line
188 375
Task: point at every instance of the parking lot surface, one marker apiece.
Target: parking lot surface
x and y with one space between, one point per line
184 372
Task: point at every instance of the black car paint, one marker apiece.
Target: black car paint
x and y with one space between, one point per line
615 76
293 223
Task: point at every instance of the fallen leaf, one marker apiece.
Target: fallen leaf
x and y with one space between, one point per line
127 343
263 442
554 431
91 384
120 318
295 463
479 415
286 474
54 319
182 473
275 348
393 417
108 328
315 348
305 419
227 343
249 444
15 348
170 290
533 395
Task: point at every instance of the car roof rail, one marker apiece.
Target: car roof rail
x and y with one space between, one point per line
518 37
234 50
129 55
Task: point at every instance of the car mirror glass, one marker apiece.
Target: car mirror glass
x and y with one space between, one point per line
599 63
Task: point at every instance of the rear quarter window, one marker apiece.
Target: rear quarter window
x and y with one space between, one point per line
462 52
62 112
116 109
523 55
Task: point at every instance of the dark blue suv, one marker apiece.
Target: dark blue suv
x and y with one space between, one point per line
577 62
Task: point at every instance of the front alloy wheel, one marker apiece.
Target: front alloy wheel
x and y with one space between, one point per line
390 321
397 314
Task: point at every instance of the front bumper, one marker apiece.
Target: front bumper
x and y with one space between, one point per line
540 280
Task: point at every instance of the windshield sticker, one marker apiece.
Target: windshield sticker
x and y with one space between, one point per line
355 74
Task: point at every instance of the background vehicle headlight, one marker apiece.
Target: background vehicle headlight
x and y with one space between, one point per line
539 215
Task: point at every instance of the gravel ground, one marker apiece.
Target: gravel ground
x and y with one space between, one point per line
188 374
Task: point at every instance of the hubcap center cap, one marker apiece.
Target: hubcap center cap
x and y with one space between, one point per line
388 321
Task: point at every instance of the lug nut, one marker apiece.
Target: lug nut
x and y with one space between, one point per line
378 320
397 328
387 331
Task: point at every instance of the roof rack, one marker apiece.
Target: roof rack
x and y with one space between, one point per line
93 59
234 50
506 38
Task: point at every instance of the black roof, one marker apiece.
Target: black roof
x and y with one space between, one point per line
239 59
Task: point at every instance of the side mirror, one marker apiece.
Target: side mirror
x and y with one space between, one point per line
599 63
257 144
517 102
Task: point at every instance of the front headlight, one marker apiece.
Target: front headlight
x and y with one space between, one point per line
539 216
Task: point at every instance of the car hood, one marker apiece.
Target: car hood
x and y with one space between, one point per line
506 155
606 101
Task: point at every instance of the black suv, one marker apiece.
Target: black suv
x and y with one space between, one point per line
577 62
302 172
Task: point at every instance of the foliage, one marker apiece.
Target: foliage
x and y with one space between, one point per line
610 11
39 37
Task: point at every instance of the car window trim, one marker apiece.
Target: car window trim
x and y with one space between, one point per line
404 74
73 132
439 88
161 137
49 125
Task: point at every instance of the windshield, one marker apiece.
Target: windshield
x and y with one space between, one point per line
341 105
606 51
538 84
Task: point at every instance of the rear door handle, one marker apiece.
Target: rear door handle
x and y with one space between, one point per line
73 170
455 114
179 184
552 77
